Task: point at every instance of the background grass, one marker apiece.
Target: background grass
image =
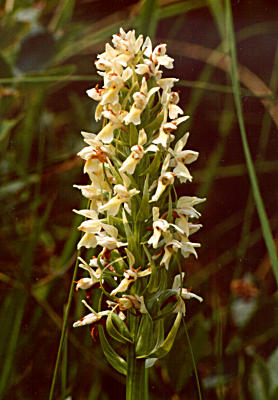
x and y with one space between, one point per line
226 58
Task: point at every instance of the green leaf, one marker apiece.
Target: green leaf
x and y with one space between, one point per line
153 281
148 17
5 68
267 234
11 32
144 210
62 15
120 265
130 238
273 371
121 334
133 135
153 126
145 337
112 357
180 8
154 167
167 344
115 173
89 37
5 127
170 209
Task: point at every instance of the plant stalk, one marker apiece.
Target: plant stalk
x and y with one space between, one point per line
136 382
135 379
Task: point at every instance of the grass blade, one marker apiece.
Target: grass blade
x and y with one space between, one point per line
148 18
193 360
173 10
63 333
269 241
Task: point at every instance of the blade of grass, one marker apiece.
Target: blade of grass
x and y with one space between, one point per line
147 20
193 360
263 141
51 78
64 367
267 234
182 7
16 316
63 332
62 15
29 125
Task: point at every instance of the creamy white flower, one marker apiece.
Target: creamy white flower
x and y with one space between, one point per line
159 226
123 195
174 110
166 129
94 274
148 69
185 206
88 240
100 150
92 228
188 247
84 283
182 157
160 57
185 293
167 83
164 180
140 101
171 247
137 152
128 301
115 116
91 318
130 276
112 85
108 242
126 42
129 165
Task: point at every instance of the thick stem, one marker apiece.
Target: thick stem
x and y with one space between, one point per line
136 378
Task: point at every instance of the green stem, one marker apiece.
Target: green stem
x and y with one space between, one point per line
63 333
136 380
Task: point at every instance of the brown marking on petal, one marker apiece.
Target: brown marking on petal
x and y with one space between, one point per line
94 333
106 254
159 253
165 181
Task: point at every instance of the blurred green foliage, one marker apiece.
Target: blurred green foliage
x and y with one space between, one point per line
47 49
